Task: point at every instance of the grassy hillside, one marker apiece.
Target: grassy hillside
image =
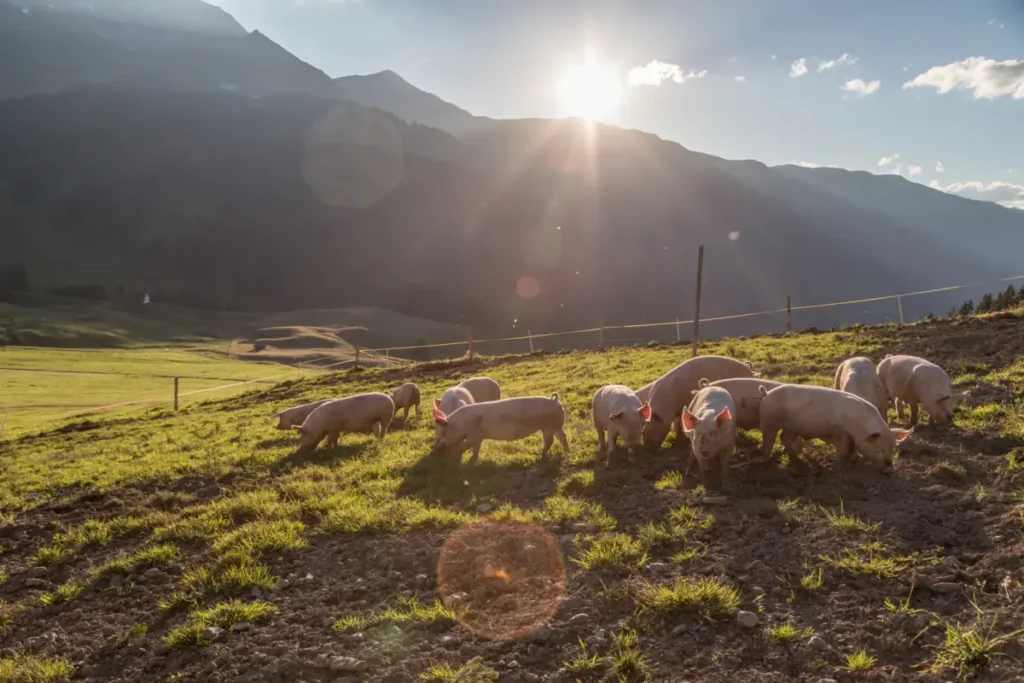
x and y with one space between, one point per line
128 544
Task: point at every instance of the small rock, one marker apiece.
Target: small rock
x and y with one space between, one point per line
715 500
395 575
153 573
115 580
36 572
581 527
347 664
422 579
513 664
141 578
212 632
541 634
817 643
656 565
484 507
37 583
944 587
679 630
241 626
309 577
579 619
747 619
530 677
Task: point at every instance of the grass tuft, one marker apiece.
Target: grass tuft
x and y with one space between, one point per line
689 518
584 665
349 624
787 633
153 556
670 481
225 615
409 611
473 671
813 580
26 668
66 592
969 648
689 554
709 597
628 663
611 549
858 661
846 522
870 560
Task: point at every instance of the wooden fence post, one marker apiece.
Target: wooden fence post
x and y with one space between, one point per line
678 337
789 315
356 364
175 393
471 342
530 335
899 302
696 317
600 335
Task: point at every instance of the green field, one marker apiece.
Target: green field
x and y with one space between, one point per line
41 387
149 534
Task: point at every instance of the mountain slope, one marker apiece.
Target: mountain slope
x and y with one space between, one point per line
192 16
388 91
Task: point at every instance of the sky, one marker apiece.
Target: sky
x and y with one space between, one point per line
930 89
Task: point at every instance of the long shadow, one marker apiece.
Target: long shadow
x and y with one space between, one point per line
321 456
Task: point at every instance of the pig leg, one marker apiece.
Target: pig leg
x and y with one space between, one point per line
416 406
549 440
332 439
405 415
789 443
899 408
844 446
560 435
768 435
600 436
913 414
476 451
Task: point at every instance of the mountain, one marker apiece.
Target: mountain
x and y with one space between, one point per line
182 44
388 91
292 201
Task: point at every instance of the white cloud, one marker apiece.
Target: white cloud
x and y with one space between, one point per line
740 79
811 164
889 160
655 73
1007 194
913 170
986 78
846 58
939 168
775 58
862 87
798 68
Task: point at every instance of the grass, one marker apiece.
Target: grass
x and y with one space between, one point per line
669 481
26 668
473 671
689 518
969 648
709 597
901 605
66 592
689 554
152 556
870 560
585 665
627 663
223 615
787 633
858 661
409 611
611 549
845 522
813 580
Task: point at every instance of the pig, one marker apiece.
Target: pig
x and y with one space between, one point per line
508 419
358 414
407 396
857 376
913 381
452 400
297 415
747 394
482 388
709 423
673 391
620 412
846 421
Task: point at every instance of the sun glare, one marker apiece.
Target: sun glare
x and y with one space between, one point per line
590 91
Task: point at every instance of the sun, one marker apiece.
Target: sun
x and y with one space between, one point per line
590 91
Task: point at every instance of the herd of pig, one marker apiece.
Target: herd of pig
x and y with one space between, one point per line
706 398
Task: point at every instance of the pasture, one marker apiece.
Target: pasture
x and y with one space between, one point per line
200 546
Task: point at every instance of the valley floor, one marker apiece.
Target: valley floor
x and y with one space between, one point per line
199 546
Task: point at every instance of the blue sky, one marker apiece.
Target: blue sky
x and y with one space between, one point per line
731 81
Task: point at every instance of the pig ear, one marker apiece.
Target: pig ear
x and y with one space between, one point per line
616 416
723 417
297 428
439 416
901 434
689 421
645 412
437 403
960 396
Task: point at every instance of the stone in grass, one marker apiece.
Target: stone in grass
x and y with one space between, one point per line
344 664
212 633
817 643
747 619
484 507
153 573
541 634
37 572
241 627
715 501
579 619
37 583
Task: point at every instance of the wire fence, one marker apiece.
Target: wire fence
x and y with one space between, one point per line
385 356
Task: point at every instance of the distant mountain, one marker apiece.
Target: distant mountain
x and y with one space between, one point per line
184 44
388 91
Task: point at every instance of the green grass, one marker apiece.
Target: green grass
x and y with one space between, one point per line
628 663
813 580
224 615
969 648
689 554
690 518
787 633
66 592
473 671
610 549
845 522
858 661
585 665
870 560
26 668
152 556
901 605
409 611
669 481
709 597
